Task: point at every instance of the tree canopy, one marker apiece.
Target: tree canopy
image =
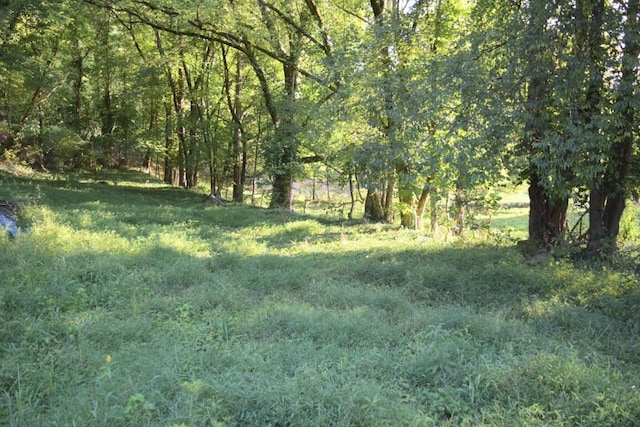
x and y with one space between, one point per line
411 100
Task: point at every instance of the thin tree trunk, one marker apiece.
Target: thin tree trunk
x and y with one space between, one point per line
421 207
168 144
459 208
352 195
239 149
433 208
255 162
78 66
388 201
177 92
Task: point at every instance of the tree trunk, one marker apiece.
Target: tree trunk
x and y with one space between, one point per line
239 149
168 144
433 208
421 206
352 195
386 120
285 148
459 208
78 77
177 93
190 156
108 119
282 196
547 218
373 210
182 152
597 229
543 227
608 197
388 201
408 217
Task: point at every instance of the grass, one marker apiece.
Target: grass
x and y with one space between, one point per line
132 303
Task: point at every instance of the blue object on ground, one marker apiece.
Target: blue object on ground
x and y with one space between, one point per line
9 223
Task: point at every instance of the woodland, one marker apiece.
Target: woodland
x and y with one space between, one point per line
477 264
402 102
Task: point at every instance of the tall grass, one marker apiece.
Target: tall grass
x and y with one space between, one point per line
131 303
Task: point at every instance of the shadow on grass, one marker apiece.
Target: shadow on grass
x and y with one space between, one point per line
485 276
100 204
290 313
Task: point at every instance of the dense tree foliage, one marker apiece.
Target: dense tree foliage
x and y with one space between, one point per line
414 101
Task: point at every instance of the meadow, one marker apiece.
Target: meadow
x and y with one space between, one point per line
130 303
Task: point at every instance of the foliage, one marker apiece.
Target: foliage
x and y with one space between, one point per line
130 302
413 101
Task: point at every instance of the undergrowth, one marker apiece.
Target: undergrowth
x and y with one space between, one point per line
132 303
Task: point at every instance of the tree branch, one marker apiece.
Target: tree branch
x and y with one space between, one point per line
292 23
326 42
202 31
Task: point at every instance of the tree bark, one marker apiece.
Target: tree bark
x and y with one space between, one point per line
547 216
608 196
408 217
78 77
547 213
177 93
284 158
168 144
373 210
352 195
386 123
433 211
421 206
459 207
239 157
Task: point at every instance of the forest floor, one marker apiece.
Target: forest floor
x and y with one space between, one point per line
132 303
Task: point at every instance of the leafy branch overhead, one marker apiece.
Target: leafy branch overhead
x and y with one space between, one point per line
204 24
418 108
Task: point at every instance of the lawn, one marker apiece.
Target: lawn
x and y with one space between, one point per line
130 303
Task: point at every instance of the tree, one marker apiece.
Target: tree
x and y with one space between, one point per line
238 146
611 188
286 33
410 106
413 101
548 202
568 122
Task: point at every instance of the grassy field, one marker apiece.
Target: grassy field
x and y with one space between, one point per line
130 303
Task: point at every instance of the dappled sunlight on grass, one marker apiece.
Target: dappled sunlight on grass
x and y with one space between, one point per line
138 305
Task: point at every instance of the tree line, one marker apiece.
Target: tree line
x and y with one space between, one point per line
407 100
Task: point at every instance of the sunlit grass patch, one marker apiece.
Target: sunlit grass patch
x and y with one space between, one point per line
138 305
